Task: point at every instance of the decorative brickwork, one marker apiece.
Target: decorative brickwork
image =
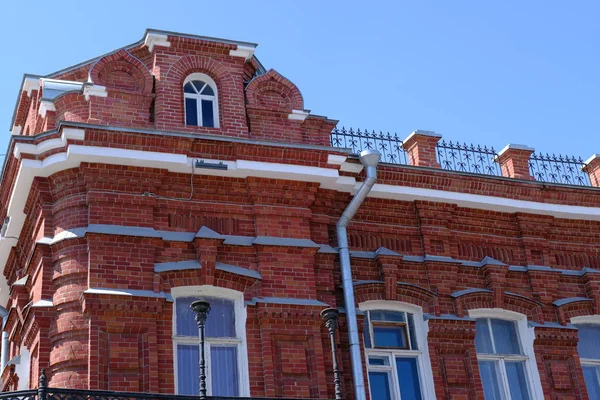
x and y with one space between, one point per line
113 210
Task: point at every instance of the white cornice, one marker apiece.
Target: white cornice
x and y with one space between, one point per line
49 144
351 167
30 84
298 115
483 202
512 146
156 39
592 158
335 159
420 132
94 90
45 106
16 130
243 51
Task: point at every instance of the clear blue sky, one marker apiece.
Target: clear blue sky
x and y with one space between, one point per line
487 72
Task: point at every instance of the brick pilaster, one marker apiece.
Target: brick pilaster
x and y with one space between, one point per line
420 147
592 168
514 161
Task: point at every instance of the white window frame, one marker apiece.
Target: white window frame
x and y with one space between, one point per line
239 340
422 354
199 97
526 336
589 320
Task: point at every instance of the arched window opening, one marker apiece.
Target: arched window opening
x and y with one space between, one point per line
200 98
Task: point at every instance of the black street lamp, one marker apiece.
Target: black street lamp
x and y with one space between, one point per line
201 308
330 316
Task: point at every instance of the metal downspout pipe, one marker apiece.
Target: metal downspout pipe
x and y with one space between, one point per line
368 158
4 348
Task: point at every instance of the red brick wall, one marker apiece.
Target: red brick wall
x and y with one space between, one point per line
125 343
98 194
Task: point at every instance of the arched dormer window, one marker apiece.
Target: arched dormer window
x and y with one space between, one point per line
200 98
396 350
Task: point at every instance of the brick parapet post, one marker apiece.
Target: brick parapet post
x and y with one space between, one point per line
592 168
421 148
514 161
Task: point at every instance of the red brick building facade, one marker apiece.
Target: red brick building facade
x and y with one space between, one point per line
178 168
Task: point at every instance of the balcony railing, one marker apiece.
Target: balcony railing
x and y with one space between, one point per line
75 394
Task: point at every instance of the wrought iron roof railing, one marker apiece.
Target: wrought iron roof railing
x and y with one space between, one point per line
558 169
468 158
471 158
389 145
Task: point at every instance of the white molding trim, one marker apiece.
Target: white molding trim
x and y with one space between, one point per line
16 130
421 330
498 313
390 305
298 115
243 51
335 159
45 106
484 202
586 319
351 167
526 336
94 90
422 133
156 39
30 84
592 158
50 144
512 146
240 325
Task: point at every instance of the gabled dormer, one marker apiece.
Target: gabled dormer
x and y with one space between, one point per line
173 82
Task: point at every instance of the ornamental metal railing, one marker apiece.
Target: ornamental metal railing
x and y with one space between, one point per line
389 145
468 158
471 158
558 169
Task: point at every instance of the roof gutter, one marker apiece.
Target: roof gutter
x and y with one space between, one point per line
370 159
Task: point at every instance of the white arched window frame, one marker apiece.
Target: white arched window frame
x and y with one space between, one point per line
421 354
201 106
525 336
239 341
590 356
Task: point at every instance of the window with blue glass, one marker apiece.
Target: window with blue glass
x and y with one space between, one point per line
222 348
200 101
502 362
393 355
589 354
